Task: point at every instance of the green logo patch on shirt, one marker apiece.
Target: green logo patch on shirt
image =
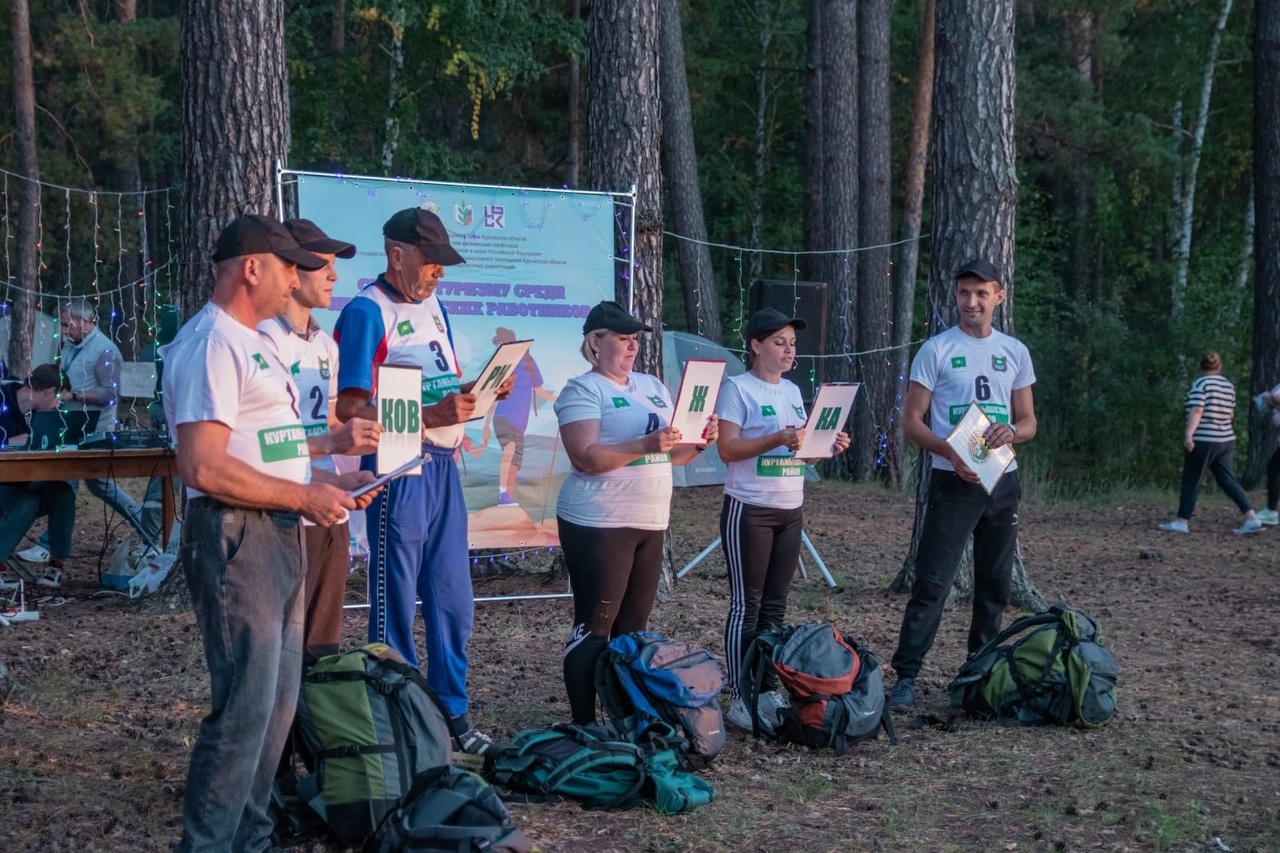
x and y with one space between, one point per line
621 403
999 363
779 466
768 412
650 459
404 328
657 402
295 368
261 362
324 368
280 444
957 363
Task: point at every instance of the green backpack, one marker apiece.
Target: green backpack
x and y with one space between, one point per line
589 764
367 724
597 767
1057 673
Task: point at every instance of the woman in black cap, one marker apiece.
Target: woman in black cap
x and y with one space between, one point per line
762 421
614 507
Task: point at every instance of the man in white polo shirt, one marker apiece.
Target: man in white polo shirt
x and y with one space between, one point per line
244 458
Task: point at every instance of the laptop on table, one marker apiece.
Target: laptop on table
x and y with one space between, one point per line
51 430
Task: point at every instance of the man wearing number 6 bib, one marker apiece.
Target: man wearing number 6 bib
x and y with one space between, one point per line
418 525
970 362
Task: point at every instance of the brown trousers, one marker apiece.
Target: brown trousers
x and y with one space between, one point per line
328 555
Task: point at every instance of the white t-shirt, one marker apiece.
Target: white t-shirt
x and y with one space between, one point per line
217 369
774 479
960 369
312 360
638 494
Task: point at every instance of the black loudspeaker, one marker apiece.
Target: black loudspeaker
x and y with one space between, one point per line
808 301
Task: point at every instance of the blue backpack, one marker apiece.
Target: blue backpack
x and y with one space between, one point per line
644 679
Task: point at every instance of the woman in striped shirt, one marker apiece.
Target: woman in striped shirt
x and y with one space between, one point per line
1210 441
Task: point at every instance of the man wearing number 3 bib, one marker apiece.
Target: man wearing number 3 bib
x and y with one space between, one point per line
418 526
970 362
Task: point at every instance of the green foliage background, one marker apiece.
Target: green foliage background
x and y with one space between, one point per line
483 97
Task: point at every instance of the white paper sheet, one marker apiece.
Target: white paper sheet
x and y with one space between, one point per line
967 438
831 409
399 404
696 402
501 365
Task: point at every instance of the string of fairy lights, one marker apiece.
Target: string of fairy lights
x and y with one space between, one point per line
130 306
136 319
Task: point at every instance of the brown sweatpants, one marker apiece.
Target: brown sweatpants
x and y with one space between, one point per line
328 556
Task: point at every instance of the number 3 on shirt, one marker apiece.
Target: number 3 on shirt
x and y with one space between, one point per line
442 363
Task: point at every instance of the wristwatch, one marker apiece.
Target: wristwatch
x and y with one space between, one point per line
1013 427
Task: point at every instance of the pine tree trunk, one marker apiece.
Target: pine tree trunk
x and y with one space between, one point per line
1265 366
904 284
875 284
574 155
22 313
812 266
235 124
840 195
680 159
624 132
338 28
975 191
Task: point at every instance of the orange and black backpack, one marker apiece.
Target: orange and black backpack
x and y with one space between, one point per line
835 686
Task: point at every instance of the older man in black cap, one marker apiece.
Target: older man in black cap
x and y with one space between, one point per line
244 458
418 528
968 363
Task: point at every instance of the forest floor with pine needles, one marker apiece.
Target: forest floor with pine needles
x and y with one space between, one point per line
106 698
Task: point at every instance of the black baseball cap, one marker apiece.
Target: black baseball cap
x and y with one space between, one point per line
982 269
771 320
422 228
253 234
313 239
615 318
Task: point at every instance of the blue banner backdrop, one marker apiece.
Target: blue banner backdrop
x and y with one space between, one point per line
536 261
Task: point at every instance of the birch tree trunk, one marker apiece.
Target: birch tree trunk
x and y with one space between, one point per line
875 285
1265 364
235 124
904 284
23 310
680 158
391 140
840 194
1182 249
975 195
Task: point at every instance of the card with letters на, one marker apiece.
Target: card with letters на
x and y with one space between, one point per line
696 402
830 410
968 438
501 365
399 404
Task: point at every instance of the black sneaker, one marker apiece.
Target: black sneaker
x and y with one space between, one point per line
903 695
471 746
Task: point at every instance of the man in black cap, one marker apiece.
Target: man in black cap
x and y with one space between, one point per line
312 358
970 362
243 456
418 541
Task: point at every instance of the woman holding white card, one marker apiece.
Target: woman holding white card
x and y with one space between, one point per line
762 421
614 507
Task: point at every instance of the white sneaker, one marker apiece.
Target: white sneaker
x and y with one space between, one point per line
1251 525
767 707
1175 526
35 554
1269 516
51 579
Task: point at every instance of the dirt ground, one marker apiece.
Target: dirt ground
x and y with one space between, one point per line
106 697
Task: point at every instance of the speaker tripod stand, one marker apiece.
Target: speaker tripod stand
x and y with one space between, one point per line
804 540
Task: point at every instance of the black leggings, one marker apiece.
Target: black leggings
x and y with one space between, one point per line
762 551
614 573
1273 480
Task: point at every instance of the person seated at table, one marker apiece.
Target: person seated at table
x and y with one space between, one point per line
22 503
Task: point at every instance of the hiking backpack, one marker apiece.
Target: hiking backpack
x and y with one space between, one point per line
596 767
449 809
835 686
643 679
590 764
367 724
1059 672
